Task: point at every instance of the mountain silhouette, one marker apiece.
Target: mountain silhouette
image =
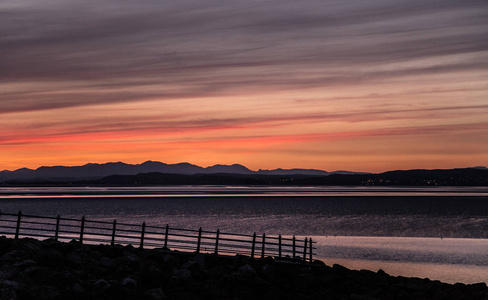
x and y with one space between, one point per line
93 171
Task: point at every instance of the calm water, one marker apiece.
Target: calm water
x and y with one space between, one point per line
437 233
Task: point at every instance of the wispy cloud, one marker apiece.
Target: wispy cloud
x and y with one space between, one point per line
194 48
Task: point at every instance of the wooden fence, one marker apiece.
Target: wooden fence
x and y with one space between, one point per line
104 232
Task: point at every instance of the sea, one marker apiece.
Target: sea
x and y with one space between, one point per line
439 233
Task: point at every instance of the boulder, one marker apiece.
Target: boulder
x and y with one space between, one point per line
49 258
183 274
154 294
246 271
128 282
107 262
102 285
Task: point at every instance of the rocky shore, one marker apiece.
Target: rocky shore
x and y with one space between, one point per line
32 269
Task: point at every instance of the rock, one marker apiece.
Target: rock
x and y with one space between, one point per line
171 260
318 263
76 258
49 258
37 273
102 284
64 278
25 264
183 274
12 255
8 294
481 286
218 271
200 260
107 262
242 293
129 282
31 245
246 271
130 257
74 271
154 294
10 284
77 288
96 255
46 292
268 271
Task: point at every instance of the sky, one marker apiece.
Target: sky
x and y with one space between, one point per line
370 85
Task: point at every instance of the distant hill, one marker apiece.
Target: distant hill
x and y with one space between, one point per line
453 177
218 176
97 171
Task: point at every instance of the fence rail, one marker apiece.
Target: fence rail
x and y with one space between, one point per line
105 232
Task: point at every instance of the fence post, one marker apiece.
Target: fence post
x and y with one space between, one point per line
199 239
294 247
253 247
142 234
217 242
113 233
305 250
279 246
264 245
17 229
82 229
311 249
166 236
56 234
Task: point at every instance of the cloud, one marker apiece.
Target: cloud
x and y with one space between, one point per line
123 51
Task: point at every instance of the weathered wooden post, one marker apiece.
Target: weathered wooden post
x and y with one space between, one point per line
294 247
17 229
263 245
279 246
143 230
311 249
217 242
199 239
113 233
253 247
305 250
166 236
56 233
82 229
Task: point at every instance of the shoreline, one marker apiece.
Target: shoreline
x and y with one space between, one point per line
48 269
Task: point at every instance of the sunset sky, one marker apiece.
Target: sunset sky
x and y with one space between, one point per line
333 85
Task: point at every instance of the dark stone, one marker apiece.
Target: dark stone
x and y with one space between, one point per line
154 294
219 271
102 284
246 271
25 264
13 255
8 294
182 274
49 258
74 271
9 284
129 282
107 262
47 292
77 288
